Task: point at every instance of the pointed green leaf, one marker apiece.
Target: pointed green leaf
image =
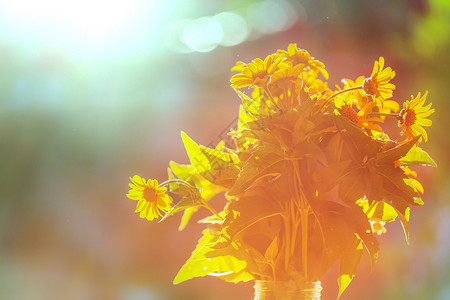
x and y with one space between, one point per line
382 211
262 162
185 203
404 218
402 209
223 169
272 250
189 173
394 182
417 157
188 213
248 211
395 153
343 281
357 143
208 261
196 156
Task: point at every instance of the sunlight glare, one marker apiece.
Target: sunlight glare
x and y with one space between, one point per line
84 24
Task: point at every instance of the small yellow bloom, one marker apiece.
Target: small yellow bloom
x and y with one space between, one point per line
413 117
362 118
359 95
378 84
151 198
258 72
302 57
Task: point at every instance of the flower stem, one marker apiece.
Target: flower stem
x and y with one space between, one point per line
266 89
344 91
193 188
378 114
304 217
179 181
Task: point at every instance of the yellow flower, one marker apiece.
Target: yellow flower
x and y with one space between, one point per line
378 84
258 72
413 117
302 57
360 96
151 198
361 118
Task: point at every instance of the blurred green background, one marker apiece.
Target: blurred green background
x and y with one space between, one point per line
93 92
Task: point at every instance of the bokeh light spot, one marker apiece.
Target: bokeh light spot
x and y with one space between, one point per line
203 34
235 29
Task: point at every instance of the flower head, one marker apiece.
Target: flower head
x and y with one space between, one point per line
413 117
360 97
362 118
377 84
151 198
258 72
298 56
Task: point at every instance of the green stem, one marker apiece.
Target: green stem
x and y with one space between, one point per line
304 217
266 89
180 181
344 91
378 114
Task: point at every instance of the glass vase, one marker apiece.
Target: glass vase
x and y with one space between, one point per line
287 290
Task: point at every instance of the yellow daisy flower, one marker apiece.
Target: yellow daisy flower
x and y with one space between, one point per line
258 72
359 95
283 80
377 84
300 56
151 198
413 117
361 118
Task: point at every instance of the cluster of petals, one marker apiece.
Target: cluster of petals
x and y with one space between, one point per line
280 65
378 85
413 117
151 198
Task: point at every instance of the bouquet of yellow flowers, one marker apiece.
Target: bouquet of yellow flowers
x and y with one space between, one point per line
310 180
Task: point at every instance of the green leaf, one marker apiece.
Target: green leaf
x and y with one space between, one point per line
262 162
356 142
196 156
382 211
395 153
328 176
244 118
343 281
394 182
402 209
404 218
208 261
206 188
417 157
248 211
223 169
272 250
185 203
188 213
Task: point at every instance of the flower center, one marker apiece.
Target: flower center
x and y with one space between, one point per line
150 195
350 114
370 86
410 117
